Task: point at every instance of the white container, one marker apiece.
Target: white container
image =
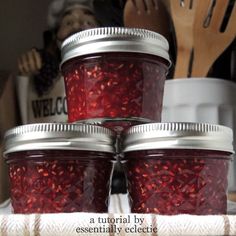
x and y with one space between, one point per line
207 100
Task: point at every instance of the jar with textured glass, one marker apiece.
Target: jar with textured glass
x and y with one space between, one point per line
178 168
59 167
115 76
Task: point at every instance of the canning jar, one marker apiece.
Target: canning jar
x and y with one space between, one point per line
59 167
178 168
115 76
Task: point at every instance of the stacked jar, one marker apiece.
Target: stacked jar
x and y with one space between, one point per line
115 76
59 167
178 168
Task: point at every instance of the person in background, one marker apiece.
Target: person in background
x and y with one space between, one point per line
40 87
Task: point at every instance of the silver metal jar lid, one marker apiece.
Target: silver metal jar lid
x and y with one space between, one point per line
178 135
59 136
115 39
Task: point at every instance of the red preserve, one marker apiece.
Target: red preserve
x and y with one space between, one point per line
115 76
59 167
178 168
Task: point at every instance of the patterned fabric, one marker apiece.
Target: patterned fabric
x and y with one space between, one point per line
115 224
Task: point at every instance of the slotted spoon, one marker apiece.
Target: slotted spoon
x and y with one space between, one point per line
182 13
147 14
209 42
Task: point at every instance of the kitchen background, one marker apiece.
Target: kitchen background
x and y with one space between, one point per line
21 24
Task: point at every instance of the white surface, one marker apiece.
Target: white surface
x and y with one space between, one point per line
86 224
5 207
206 100
119 203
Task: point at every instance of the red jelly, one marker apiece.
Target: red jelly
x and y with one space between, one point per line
115 76
178 168
54 168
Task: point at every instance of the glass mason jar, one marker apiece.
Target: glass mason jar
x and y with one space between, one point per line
54 168
115 76
178 168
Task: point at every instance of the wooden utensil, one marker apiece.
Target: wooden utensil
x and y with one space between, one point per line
147 14
209 42
182 13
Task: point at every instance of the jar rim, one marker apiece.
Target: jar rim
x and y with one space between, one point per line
178 135
60 136
115 39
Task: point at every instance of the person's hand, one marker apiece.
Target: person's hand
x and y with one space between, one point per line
29 63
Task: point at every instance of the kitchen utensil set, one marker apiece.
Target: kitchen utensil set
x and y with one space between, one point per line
198 29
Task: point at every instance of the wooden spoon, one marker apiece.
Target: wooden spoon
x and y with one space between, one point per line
147 14
182 13
209 42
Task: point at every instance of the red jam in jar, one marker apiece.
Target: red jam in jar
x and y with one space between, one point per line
54 168
178 168
115 76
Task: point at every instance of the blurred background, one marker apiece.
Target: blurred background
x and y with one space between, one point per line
22 24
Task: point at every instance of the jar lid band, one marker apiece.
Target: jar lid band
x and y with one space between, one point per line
178 135
115 39
60 136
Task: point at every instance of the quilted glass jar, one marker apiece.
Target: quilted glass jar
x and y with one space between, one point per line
178 168
54 168
115 76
